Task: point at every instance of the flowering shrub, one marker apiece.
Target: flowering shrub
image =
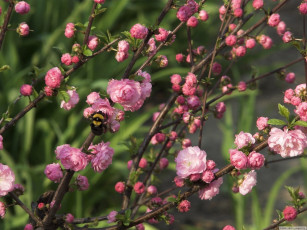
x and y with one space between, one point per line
79 162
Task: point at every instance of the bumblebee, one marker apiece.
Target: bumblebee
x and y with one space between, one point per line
98 125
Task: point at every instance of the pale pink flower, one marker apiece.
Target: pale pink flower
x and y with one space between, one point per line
244 139
104 106
87 112
69 218
287 143
257 4
71 158
210 164
281 28
26 90
287 37
138 31
73 100
120 187
211 190
207 176
123 46
203 15
82 183
232 26
250 180
262 123
7 180
54 77
139 187
290 213
238 159
191 160
125 92
289 93
2 210
231 40
23 29
92 42
22 7
301 110
184 206
152 46
173 135
121 56
235 4
175 79
69 30
300 90
222 10
162 35
103 155
92 97
240 51
255 160
66 59
54 172
274 19
152 189
112 217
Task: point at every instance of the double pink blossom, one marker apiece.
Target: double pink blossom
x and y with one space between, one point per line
238 159
244 139
301 110
26 90
22 7
54 172
211 190
82 183
54 77
73 100
7 180
102 156
250 180
138 31
69 30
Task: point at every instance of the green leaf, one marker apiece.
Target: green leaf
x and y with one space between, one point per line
5 67
64 95
283 111
280 214
97 12
87 52
276 122
300 123
171 199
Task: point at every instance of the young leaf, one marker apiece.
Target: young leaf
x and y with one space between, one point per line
65 96
300 123
283 111
5 67
87 52
276 122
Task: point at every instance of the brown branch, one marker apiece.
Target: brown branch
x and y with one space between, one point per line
284 159
90 22
6 22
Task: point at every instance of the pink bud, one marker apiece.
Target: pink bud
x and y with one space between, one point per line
203 15
192 21
179 57
23 29
152 190
143 163
163 163
22 7
120 187
26 90
69 218
290 77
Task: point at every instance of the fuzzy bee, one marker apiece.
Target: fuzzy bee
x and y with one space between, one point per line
98 124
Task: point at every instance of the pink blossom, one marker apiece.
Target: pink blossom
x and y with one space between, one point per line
23 29
281 28
139 187
179 181
104 106
184 206
250 43
125 92
210 164
300 89
265 41
121 56
54 172
103 155
175 79
186 143
193 102
290 77
82 183
7 180
48 91
191 79
255 160
87 112
26 90
231 40
295 101
188 90
222 10
195 177
151 46
112 217
120 187
71 158
163 163
92 97
162 35
262 123
287 37
2 210
211 190
289 93
66 59
257 4
203 15
123 46
53 78
191 160
216 68
301 110
229 227
184 13
192 21
28 227
244 139
73 100
99 1
173 135
143 163
238 12
152 189
1 142
138 31
22 7
303 8
274 19
238 159
220 108
92 42
232 26
69 30
241 86
75 59
290 213
250 180
240 51
179 57
207 176
69 218
288 143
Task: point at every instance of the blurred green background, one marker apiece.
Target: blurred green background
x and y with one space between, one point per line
30 145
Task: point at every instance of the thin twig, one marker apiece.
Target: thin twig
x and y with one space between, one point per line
4 27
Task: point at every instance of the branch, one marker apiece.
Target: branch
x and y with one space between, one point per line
6 22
